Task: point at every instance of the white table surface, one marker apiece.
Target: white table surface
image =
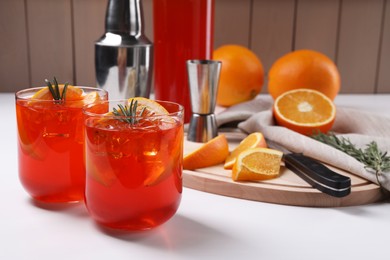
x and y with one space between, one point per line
206 226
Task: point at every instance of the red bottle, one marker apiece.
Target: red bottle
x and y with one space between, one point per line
183 30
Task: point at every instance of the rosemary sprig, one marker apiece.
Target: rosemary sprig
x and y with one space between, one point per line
130 112
371 156
55 91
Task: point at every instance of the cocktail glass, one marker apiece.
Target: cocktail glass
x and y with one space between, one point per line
51 144
134 166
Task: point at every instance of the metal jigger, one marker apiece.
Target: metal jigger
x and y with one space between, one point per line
203 78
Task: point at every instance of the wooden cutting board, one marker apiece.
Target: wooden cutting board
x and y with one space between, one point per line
288 189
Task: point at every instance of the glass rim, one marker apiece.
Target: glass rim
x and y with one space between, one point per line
35 89
180 109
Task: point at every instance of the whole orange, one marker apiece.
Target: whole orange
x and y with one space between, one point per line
304 69
242 74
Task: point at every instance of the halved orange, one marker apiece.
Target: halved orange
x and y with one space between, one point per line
251 141
305 111
257 164
211 153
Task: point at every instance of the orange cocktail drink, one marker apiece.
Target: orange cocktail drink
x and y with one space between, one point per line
134 162
51 142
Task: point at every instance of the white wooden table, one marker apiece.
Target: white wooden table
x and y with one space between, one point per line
206 226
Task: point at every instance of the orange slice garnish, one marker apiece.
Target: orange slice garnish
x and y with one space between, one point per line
72 93
90 98
148 107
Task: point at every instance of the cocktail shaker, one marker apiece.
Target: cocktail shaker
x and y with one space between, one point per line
124 55
203 79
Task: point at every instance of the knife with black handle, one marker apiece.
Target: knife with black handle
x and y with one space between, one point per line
315 173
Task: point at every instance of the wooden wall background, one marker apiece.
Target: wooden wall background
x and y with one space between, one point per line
42 38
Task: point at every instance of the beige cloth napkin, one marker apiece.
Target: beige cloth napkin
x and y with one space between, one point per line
359 127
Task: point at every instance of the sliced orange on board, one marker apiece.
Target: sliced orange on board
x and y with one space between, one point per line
257 164
305 111
251 141
211 153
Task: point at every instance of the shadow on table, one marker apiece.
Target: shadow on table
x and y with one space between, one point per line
76 209
179 233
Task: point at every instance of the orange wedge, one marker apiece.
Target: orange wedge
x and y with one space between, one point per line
251 141
257 164
305 111
211 153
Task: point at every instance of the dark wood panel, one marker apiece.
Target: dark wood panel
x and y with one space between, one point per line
317 26
360 27
272 30
50 40
232 22
40 39
148 18
384 58
14 73
88 27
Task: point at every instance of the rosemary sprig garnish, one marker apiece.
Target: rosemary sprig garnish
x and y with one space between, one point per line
371 156
130 112
55 91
